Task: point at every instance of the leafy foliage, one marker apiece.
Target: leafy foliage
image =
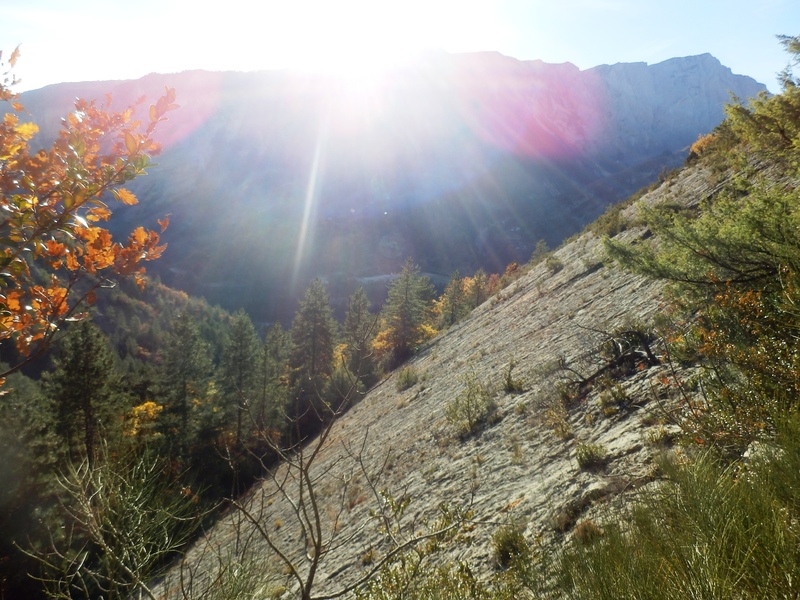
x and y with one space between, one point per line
734 264
724 522
123 520
54 255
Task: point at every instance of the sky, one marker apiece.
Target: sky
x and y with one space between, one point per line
80 40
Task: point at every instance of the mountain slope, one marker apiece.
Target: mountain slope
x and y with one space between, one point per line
463 161
517 467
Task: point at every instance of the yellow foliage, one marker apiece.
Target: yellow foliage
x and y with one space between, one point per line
339 354
142 417
703 143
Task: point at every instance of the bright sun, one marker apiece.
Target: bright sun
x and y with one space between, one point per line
351 38
359 37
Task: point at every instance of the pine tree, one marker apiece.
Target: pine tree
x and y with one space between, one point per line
185 375
406 315
81 389
358 332
272 382
453 302
477 290
240 360
311 359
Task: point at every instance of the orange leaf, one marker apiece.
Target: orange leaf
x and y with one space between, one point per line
139 236
126 197
55 248
72 262
98 214
12 301
164 223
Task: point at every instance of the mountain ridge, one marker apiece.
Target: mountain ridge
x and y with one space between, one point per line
463 162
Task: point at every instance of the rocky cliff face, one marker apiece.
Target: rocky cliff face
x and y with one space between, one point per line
463 161
523 464
657 108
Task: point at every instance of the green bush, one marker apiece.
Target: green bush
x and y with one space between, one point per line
406 378
553 264
472 408
591 456
711 530
512 385
509 545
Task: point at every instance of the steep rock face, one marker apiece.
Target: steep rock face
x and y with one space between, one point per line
462 161
522 465
657 108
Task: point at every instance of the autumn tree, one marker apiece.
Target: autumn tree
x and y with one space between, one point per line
405 318
477 288
53 254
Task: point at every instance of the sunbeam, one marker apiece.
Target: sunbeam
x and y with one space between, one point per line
310 203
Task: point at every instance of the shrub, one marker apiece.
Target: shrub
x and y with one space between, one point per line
556 418
553 264
711 530
472 408
511 385
509 545
406 378
591 456
614 398
587 532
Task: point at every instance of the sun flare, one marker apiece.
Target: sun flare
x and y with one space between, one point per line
356 38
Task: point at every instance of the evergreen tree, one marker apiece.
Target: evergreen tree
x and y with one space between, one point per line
406 315
478 289
313 335
81 389
272 382
453 302
358 332
240 360
185 376
311 359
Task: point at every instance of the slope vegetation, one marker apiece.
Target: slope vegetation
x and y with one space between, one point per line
542 353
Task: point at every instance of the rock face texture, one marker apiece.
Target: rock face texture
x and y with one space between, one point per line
462 161
658 107
522 464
